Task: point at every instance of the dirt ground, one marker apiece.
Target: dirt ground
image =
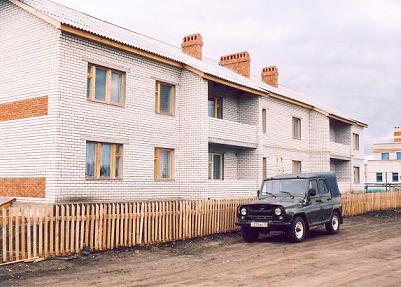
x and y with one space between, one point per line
367 252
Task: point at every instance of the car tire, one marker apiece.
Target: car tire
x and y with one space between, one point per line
249 234
297 231
333 226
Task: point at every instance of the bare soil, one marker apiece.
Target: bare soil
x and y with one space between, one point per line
366 252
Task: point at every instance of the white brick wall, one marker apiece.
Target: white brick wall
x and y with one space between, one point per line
29 49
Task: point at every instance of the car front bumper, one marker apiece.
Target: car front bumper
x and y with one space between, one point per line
271 224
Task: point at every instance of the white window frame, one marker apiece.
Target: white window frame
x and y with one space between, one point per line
211 166
296 129
381 173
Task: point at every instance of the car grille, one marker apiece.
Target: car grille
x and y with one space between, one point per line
260 212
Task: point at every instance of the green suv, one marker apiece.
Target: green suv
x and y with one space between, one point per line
293 204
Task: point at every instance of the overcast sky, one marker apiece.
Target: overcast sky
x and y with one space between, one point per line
346 54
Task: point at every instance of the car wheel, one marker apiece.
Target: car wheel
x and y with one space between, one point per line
333 226
249 234
297 230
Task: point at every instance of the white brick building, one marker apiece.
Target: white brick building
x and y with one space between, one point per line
385 165
219 130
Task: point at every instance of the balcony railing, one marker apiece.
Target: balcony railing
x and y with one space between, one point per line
341 151
232 133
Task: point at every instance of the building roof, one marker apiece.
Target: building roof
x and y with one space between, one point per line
67 17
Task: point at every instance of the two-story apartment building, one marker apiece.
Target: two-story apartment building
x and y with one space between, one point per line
385 165
92 111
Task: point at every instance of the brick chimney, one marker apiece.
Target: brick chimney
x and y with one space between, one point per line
192 45
238 62
270 76
397 134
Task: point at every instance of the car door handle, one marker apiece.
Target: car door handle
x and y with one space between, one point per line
328 198
318 200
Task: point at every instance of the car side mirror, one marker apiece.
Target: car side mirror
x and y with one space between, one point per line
258 193
311 192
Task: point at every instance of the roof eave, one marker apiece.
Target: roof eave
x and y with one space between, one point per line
37 13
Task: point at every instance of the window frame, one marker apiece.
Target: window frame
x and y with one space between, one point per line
357 168
325 187
264 121
377 176
211 165
91 78
157 151
218 107
397 175
113 156
172 95
355 141
295 130
294 164
398 155
383 153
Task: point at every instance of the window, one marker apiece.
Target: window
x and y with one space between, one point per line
322 187
215 107
105 85
296 128
164 163
103 160
313 185
385 156
357 175
264 167
264 120
296 166
398 154
216 166
355 138
395 177
165 98
379 177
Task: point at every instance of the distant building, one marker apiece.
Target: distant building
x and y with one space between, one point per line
385 165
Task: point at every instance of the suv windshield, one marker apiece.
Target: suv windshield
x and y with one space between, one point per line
296 187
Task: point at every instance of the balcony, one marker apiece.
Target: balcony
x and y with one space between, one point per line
232 133
340 151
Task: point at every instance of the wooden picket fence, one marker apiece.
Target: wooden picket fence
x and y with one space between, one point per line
64 229
354 204
33 232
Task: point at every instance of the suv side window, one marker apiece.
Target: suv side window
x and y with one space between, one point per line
322 187
313 185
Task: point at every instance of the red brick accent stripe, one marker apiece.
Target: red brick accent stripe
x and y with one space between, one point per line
22 109
22 186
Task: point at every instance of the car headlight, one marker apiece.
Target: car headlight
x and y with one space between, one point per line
277 211
243 211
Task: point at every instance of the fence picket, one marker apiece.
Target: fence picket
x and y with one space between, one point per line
4 232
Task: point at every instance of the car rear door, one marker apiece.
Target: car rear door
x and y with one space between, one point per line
326 200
